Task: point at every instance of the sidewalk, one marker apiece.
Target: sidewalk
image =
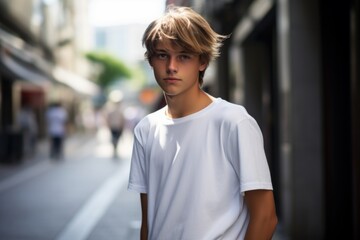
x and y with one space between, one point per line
83 197
72 143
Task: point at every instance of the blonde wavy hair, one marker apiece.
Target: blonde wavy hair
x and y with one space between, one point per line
187 29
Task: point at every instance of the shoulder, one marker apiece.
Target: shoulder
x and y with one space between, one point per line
232 112
234 119
149 121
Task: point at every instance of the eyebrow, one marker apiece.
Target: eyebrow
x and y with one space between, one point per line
180 52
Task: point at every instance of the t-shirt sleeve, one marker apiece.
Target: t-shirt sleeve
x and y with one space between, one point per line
248 156
137 178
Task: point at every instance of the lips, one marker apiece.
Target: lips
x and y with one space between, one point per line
171 80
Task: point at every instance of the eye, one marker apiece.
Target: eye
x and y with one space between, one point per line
184 57
161 56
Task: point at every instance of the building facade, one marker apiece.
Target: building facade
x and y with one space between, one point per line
295 66
41 44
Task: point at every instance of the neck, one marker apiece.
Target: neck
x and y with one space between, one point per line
178 106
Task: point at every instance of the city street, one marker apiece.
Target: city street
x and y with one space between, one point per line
83 196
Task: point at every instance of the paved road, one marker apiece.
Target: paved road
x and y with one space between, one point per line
81 197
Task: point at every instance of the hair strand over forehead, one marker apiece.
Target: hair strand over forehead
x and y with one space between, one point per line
186 28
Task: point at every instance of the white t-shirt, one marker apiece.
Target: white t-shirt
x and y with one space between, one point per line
56 117
115 119
195 170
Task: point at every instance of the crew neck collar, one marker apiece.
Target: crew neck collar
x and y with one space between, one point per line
190 116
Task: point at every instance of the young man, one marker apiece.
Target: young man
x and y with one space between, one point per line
199 162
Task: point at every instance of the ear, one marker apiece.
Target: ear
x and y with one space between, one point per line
203 65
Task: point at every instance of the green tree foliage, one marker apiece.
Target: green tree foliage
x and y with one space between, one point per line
111 68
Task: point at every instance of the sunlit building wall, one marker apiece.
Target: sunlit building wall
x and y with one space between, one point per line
122 41
41 61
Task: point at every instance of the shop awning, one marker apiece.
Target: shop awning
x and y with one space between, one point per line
20 61
20 70
75 81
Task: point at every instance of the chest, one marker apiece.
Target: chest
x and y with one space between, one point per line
186 149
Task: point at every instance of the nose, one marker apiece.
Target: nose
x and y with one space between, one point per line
172 65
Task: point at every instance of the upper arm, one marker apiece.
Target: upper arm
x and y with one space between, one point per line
144 224
247 156
262 213
144 203
260 201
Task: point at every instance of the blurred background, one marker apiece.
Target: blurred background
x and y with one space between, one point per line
293 64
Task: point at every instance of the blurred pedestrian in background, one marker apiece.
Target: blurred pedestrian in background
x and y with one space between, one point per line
57 117
199 162
27 124
116 122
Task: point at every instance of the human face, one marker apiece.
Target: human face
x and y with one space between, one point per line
176 70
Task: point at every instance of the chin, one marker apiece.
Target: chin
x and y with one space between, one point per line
169 94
